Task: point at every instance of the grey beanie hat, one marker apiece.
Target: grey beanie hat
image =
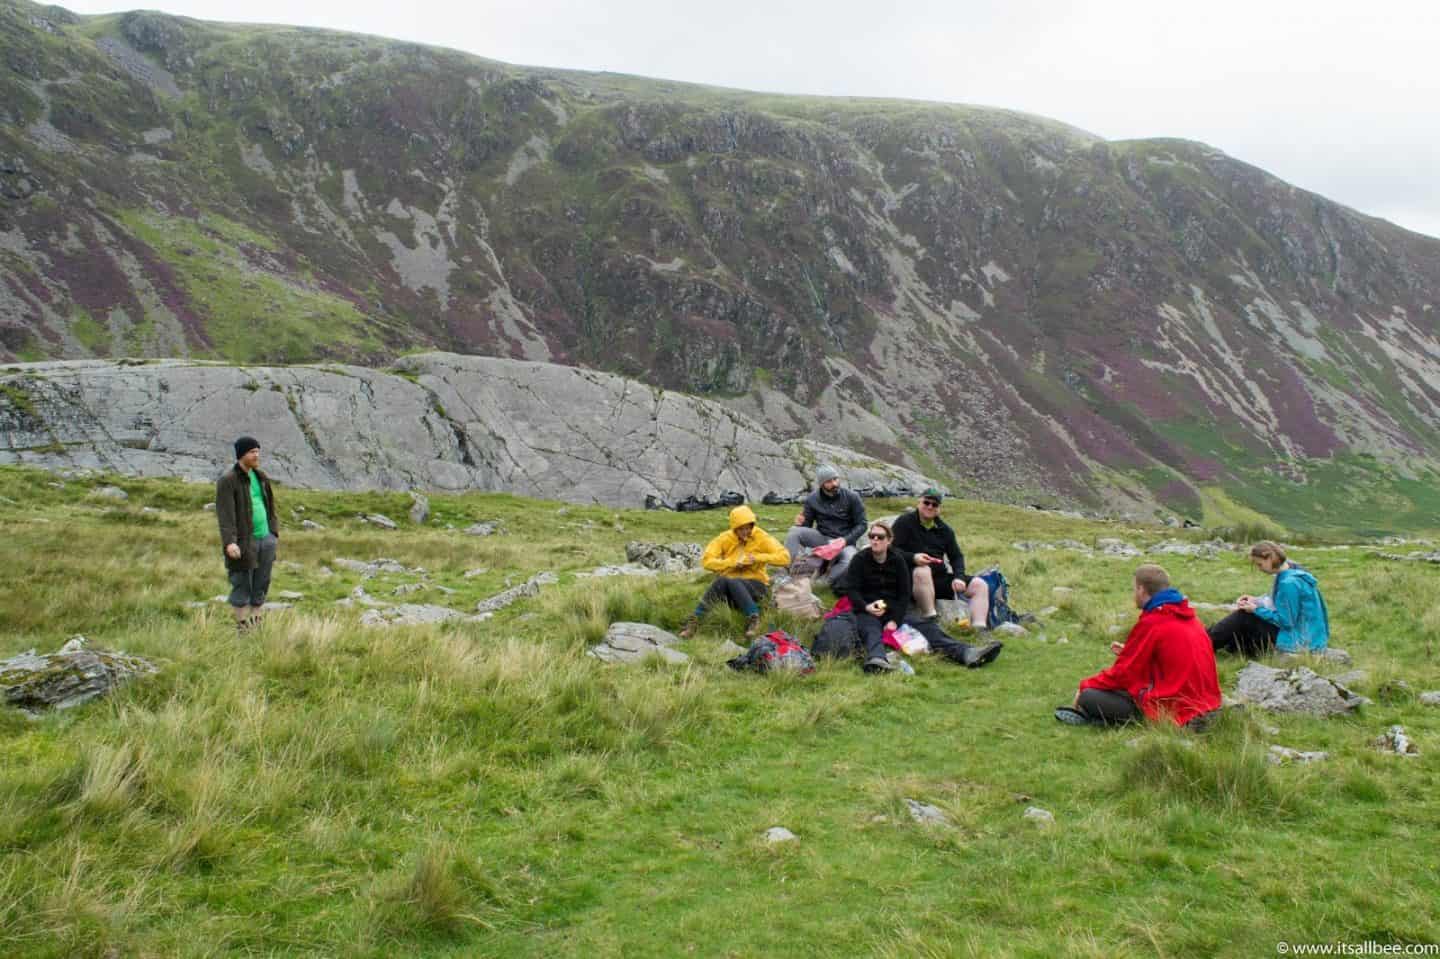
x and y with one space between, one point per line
826 473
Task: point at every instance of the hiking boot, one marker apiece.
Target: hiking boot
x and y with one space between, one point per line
877 664
977 656
691 626
1071 716
753 627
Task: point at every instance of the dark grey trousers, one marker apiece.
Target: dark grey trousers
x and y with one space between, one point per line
248 587
1109 706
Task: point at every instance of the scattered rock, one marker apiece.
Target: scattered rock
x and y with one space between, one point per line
419 508
628 569
358 597
288 594
1395 741
375 567
950 611
1116 547
405 589
632 642
380 520
110 492
149 509
1430 698
1178 547
1294 690
1040 816
531 587
779 834
482 529
412 614
69 677
477 571
1352 678
208 507
310 524
926 814
1280 755
665 558
1009 629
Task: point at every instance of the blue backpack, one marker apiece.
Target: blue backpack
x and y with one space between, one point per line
1000 611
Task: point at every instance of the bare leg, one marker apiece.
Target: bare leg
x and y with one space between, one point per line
978 592
922 591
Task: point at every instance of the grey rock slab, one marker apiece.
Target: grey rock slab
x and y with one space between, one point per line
310 524
380 520
665 557
531 587
437 421
1397 743
411 614
1430 698
1041 817
1281 755
68 677
1294 690
779 834
926 814
288 594
632 642
374 567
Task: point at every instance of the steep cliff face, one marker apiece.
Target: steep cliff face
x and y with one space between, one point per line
1018 305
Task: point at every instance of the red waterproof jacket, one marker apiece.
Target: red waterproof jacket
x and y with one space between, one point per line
1167 665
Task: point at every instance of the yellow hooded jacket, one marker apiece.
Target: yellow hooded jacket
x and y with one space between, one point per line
726 555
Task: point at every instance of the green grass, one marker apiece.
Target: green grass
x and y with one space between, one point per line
487 789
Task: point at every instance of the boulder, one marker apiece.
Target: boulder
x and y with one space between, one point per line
779 834
73 675
1396 743
1294 690
632 642
1041 817
1430 698
419 508
380 520
926 814
665 558
531 587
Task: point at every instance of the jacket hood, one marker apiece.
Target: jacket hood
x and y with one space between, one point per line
740 516
1180 609
1296 572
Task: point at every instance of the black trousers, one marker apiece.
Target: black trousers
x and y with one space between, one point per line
872 632
1244 634
1113 707
745 595
941 643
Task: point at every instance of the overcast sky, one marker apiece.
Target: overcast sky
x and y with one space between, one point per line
1342 98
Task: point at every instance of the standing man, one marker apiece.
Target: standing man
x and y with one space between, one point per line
249 529
834 513
1165 669
939 564
878 586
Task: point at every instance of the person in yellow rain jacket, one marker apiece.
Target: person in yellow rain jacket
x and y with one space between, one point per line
739 558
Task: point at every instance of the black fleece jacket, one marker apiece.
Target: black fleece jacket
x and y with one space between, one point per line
867 581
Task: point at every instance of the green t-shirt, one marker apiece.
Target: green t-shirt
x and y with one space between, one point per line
257 507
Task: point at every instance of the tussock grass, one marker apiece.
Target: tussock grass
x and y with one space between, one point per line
325 788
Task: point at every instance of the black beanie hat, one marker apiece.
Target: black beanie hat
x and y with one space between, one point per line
245 444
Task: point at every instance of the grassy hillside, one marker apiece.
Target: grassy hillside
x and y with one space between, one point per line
487 789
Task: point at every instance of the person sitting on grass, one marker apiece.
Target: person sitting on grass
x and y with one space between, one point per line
878 587
831 512
739 556
1165 669
1292 619
939 565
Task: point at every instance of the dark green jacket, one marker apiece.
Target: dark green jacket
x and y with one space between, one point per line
232 512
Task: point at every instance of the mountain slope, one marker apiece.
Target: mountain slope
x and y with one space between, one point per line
1017 305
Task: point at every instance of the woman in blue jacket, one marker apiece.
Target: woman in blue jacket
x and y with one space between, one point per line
1292 619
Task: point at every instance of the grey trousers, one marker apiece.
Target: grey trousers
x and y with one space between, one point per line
805 536
248 587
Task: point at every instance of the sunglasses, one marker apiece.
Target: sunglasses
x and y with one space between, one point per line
930 502
877 536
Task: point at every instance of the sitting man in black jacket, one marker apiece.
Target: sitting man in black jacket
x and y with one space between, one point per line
939 564
834 513
878 584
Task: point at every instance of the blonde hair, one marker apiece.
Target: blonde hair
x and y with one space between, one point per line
880 523
1152 578
1265 549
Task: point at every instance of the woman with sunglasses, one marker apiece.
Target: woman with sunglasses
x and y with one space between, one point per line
878 585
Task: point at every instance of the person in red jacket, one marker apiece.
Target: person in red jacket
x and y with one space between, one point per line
1165 669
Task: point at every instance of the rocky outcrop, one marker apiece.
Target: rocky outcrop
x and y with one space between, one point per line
72 676
437 421
633 642
1296 690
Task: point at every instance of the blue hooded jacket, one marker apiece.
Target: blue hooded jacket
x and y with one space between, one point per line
1299 612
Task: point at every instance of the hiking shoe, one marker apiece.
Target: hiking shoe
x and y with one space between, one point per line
753 627
977 656
1071 716
877 664
688 630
